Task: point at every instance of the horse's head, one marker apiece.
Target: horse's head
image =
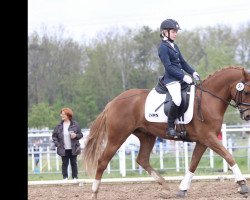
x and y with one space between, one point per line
242 95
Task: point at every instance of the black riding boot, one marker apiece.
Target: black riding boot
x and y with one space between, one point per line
172 115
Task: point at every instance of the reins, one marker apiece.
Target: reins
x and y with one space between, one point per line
201 118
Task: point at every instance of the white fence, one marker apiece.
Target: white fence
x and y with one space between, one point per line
179 152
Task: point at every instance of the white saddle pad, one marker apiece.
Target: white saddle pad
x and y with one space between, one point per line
154 100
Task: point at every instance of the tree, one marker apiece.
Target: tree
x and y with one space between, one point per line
144 73
243 48
42 115
218 47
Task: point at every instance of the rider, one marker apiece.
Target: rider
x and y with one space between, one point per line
174 65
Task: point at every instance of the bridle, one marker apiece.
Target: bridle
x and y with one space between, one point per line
238 98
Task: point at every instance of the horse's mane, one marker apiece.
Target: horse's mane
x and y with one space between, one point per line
222 70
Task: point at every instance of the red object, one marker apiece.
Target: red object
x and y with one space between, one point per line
220 136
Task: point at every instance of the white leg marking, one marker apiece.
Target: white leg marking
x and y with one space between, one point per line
237 173
186 181
95 185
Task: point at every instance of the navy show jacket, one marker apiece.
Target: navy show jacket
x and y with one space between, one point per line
173 62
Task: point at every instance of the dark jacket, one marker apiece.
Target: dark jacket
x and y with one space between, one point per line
58 138
173 62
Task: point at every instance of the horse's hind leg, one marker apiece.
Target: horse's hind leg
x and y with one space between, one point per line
113 144
186 181
103 161
147 143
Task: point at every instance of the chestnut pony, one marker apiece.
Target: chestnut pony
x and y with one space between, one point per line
124 115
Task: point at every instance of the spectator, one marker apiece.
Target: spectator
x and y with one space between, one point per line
66 137
36 150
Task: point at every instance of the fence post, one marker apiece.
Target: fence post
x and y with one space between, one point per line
48 158
133 158
69 169
140 170
40 159
224 142
248 160
122 160
230 145
211 155
161 155
32 159
177 156
108 168
186 156
57 162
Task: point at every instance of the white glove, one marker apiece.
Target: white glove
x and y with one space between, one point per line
196 76
187 79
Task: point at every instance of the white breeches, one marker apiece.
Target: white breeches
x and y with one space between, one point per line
174 89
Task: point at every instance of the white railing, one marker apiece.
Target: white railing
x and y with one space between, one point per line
180 152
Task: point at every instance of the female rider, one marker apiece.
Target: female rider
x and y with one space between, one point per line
174 65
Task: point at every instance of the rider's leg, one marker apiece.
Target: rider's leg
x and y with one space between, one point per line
174 89
172 115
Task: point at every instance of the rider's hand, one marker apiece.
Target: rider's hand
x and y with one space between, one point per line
187 79
196 76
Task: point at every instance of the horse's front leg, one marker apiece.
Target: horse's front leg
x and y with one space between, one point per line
186 181
216 146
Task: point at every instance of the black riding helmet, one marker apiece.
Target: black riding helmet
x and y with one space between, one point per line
169 24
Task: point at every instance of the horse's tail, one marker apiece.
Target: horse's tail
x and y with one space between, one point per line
95 143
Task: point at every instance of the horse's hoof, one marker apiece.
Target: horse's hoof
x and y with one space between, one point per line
181 194
164 194
165 186
243 189
94 196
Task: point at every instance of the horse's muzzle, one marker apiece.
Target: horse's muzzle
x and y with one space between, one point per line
245 116
244 113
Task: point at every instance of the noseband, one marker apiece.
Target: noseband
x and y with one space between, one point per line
238 98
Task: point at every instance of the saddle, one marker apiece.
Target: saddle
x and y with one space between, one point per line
185 88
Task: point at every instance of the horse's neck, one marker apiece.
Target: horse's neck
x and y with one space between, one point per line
219 85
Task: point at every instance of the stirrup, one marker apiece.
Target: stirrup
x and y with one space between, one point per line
172 132
183 136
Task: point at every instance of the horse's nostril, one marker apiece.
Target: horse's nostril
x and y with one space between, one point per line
247 117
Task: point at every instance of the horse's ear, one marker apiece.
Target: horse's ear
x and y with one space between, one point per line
246 74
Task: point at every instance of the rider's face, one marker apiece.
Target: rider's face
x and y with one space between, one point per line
173 34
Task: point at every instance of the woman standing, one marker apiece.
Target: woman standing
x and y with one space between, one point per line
66 137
